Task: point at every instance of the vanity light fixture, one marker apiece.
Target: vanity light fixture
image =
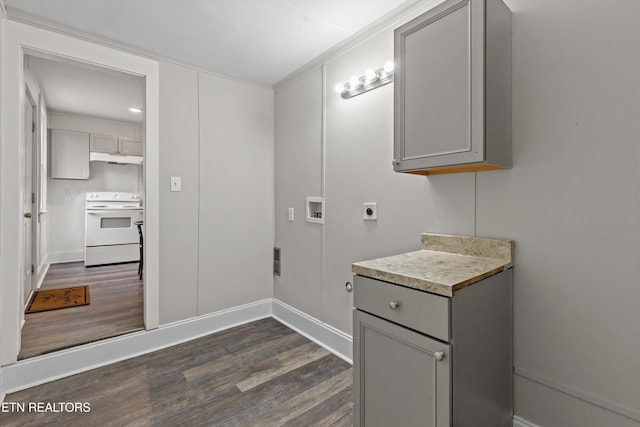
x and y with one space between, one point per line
371 80
135 110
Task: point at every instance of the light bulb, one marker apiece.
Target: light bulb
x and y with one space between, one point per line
370 75
389 66
135 110
339 88
354 82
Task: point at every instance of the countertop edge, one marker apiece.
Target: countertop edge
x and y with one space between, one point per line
443 289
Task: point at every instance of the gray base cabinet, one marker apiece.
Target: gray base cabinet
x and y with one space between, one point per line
422 359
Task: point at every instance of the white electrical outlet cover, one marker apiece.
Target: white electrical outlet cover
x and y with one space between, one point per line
176 183
374 211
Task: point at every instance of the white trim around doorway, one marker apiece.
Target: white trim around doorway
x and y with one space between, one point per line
18 40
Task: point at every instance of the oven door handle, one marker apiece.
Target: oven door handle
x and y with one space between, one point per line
118 213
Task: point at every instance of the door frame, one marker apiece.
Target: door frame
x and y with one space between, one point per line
21 39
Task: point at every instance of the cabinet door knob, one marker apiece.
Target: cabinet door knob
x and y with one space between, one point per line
393 305
438 355
348 286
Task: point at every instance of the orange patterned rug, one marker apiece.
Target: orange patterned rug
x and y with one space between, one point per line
54 299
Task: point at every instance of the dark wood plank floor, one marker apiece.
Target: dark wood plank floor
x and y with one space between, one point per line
116 308
258 374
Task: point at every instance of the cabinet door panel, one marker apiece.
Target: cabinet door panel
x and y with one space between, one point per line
439 88
70 155
131 147
437 99
104 143
397 379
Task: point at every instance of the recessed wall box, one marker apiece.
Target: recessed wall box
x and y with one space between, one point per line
315 210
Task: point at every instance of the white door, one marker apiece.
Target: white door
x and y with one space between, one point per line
28 197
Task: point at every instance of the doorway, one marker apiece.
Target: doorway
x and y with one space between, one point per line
18 41
84 103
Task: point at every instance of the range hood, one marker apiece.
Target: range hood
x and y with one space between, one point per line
120 159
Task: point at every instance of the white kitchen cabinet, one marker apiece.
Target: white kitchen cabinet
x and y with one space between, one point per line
131 147
69 154
104 143
452 90
115 145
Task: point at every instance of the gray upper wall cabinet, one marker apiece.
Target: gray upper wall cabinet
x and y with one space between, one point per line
453 89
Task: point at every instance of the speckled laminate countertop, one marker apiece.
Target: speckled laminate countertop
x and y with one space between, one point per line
444 265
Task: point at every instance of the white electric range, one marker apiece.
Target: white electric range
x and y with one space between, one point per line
111 235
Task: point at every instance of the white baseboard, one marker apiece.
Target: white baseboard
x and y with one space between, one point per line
2 392
50 367
519 422
71 256
580 407
321 333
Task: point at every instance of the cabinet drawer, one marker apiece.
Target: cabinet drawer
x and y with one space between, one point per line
418 310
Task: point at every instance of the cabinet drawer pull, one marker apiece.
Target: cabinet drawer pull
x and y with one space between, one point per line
438 355
393 305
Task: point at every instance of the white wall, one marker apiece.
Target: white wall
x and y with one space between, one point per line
179 147
2 296
217 233
357 168
298 174
236 193
66 197
570 203
359 147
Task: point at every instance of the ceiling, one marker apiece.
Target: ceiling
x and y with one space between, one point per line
83 89
261 41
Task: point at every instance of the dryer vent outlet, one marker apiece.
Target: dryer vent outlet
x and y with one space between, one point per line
276 261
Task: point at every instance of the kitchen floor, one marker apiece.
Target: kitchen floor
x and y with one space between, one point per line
258 374
116 308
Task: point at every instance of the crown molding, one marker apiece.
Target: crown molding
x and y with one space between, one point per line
393 19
